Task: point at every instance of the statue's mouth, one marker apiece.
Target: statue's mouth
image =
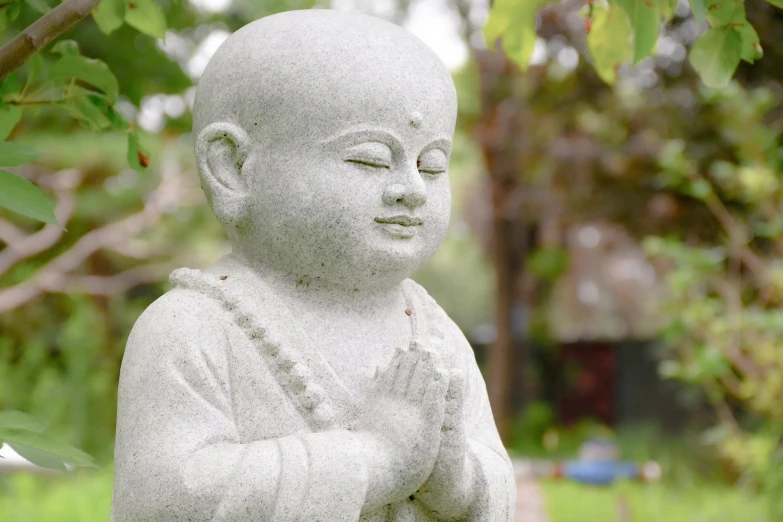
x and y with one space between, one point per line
406 221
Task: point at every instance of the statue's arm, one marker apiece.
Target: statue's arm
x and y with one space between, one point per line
492 474
178 455
473 478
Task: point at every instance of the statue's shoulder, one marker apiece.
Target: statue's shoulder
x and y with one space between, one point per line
433 310
413 288
180 317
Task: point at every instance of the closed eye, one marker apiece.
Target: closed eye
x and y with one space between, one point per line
429 169
432 162
368 163
369 154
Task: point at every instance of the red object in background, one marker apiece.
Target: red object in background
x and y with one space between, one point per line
587 387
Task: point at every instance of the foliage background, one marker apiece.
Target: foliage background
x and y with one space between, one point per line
691 171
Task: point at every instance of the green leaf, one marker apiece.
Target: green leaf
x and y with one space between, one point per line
776 3
138 157
700 189
39 5
515 22
668 7
548 262
725 12
9 117
91 110
38 457
109 15
88 70
146 16
66 48
609 41
10 419
8 14
716 55
35 70
518 44
20 196
645 19
44 444
497 23
117 119
711 362
751 45
699 9
10 85
13 154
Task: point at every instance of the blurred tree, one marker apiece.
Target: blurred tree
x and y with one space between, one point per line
626 32
69 298
70 292
562 148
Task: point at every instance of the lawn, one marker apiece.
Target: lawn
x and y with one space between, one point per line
86 497
83 497
633 502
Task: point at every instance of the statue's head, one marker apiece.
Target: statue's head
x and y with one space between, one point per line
323 141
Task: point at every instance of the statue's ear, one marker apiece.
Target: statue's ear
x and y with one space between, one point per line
221 149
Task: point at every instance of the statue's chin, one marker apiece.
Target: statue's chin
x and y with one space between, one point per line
363 262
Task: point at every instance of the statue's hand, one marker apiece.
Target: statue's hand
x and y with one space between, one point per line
401 425
448 490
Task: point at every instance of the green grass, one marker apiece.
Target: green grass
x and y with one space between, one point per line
86 497
571 502
82 497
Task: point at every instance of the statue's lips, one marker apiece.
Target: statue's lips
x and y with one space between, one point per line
406 221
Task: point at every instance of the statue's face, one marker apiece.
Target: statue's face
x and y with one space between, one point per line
350 120
356 203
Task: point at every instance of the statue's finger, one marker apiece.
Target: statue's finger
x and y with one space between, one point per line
455 396
420 378
456 391
388 376
404 372
437 386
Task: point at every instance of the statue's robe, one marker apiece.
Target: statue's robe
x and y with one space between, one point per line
228 412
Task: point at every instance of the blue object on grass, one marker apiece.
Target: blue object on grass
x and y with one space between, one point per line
599 472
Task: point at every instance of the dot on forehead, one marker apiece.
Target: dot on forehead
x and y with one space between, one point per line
415 119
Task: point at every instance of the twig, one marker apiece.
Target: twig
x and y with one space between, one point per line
138 249
9 233
109 285
42 31
21 246
730 292
57 276
736 232
722 409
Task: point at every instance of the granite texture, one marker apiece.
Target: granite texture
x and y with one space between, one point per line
304 377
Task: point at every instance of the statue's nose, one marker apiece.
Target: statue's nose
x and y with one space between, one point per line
411 195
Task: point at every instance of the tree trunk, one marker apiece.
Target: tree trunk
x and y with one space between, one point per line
501 352
501 137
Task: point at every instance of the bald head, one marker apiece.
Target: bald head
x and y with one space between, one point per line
323 141
281 75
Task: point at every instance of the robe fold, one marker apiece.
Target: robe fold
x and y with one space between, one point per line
228 412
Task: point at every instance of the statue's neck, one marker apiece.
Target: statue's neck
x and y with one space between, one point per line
300 292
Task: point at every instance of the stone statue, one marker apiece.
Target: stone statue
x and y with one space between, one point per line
304 377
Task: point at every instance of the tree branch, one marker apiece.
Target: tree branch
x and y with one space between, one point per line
113 284
42 31
57 275
10 233
21 246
